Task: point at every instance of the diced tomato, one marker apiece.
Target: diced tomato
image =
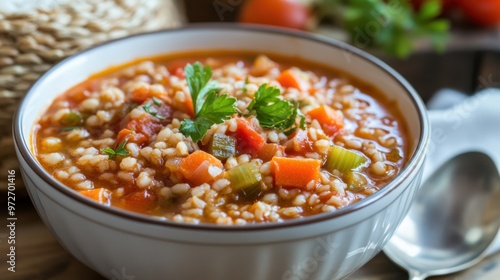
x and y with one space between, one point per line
332 121
248 141
145 125
179 72
301 143
140 201
177 67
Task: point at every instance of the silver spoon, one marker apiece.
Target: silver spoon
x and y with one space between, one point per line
453 220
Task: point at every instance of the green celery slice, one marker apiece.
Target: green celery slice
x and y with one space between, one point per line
246 178
355 181
222 146
74 118
343 160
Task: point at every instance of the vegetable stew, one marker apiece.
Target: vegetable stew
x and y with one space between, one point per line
222 137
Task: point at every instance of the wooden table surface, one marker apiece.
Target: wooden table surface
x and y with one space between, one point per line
40 257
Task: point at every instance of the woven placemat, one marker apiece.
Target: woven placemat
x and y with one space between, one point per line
34 39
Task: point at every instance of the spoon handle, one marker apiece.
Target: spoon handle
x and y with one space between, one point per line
416 275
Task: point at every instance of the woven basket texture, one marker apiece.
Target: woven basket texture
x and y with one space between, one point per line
33 40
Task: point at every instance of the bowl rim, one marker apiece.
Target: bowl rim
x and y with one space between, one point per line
22 144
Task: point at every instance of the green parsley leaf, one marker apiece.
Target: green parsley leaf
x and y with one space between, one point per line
271 111
119 151
147 109
156 101
199 84
210 108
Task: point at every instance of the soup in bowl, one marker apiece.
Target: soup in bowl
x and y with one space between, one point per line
206 146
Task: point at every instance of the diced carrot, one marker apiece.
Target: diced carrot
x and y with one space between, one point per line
131 137
295 172
188 106
141 94
140 201
248 141
332 121
290 78
268 151
195 168
100 195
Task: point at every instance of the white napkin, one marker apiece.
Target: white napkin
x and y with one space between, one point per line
470 124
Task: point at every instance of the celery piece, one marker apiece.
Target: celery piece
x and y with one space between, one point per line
355 181
74 118
246 178
343 160
222 146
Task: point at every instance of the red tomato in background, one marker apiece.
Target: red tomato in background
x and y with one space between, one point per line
284 13
481 12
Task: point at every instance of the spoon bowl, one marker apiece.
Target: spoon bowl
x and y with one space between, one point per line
453 220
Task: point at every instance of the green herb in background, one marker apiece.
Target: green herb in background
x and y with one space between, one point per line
392 25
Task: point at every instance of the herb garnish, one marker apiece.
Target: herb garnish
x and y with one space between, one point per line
156 101
119 151
209 108
147 108
244 88
273 112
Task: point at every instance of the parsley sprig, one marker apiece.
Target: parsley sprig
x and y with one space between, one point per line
210 108
154 113
273 112
119 151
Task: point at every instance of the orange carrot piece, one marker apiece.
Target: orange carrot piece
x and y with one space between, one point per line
188 106
330 120
248 140
140 94
195 167
124 135
100 195
295 172
290 78
131 137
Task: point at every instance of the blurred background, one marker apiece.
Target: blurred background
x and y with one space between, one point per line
435 44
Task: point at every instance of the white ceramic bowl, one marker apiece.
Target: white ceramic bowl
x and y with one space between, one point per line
117 243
